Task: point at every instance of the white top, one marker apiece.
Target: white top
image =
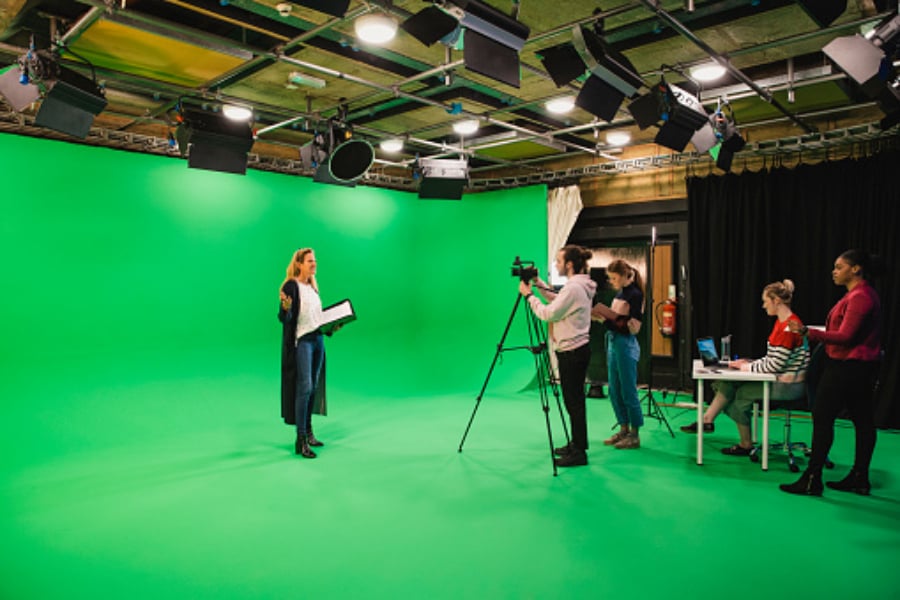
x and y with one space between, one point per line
310 317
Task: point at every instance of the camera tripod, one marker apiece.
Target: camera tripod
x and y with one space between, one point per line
537 345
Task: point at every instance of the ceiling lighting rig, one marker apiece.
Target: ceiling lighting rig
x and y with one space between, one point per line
611 76
491 40
69 100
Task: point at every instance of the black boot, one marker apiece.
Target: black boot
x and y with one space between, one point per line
574 458
856 481
563 450
809 484
301 447
312 439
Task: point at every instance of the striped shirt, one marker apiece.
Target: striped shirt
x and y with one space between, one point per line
787 354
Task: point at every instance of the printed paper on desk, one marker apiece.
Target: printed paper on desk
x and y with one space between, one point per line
335 315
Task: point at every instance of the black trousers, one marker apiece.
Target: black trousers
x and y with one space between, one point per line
846 384
573 366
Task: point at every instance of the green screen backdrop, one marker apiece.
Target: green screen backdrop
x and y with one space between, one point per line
125 267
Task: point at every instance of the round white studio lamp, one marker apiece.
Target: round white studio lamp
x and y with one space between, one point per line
560 106
392 145
237 113
707 71
466 127
375 28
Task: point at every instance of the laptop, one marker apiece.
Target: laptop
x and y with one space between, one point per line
707 348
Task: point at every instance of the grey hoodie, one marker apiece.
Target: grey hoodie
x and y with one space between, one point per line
569 312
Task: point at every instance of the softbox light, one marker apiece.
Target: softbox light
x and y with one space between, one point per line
562 63
214 142
491 39
70 104
599 98
430 25
867 61
443 178
604 62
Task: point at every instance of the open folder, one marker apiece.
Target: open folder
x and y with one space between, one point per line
336 314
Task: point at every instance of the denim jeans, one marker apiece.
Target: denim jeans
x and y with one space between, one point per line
310 355
622 354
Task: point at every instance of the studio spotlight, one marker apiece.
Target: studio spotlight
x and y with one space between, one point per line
677 113
337 157
728 139
69 100
612 76
442 178
491 39
213 142
868 64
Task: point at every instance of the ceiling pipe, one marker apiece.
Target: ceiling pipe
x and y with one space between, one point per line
75 31
687 33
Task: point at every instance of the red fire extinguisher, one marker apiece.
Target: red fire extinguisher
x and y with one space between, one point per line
667 316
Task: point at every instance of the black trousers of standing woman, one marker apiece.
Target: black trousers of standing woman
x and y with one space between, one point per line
573 366
846 384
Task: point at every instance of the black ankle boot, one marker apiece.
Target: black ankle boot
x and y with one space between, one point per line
311 439
563 450
809 484
855 481
301 447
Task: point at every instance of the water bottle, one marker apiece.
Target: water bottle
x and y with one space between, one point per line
726 348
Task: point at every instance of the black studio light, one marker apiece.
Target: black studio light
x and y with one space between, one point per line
612 77
728 138
491 39
678 114
337 157
69 100
213 142
442 178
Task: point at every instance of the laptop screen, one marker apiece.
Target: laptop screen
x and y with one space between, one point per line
707 348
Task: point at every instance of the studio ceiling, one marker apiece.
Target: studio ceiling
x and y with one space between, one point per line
150 54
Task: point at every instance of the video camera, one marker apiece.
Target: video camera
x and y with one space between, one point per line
524 269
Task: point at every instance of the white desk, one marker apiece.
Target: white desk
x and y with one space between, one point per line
701 373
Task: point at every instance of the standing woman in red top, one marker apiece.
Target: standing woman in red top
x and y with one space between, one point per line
852 339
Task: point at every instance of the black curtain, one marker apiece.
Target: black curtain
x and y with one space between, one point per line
751 229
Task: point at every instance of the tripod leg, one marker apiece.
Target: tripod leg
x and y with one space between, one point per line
490 371
542 368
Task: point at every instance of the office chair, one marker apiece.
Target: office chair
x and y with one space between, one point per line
804 403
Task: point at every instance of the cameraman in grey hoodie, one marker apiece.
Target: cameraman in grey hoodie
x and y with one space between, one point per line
568 313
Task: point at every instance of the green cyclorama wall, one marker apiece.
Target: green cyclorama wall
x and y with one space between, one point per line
137 264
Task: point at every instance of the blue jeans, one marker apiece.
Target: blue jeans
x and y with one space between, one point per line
310 355
622 354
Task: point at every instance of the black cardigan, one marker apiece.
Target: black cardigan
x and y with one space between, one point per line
288 320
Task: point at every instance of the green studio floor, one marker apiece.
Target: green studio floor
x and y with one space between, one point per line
176 480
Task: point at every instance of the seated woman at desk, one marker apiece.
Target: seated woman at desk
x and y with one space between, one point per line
787 355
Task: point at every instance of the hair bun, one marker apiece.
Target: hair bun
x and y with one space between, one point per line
788 285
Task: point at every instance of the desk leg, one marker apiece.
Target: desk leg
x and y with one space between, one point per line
765 439
699 421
